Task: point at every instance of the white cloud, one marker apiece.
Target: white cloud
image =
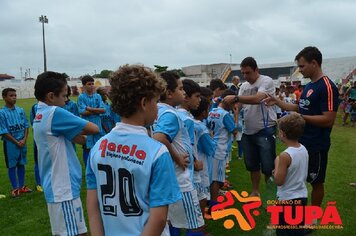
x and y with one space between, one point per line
87 35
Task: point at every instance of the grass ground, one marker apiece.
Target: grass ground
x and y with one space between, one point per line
28 215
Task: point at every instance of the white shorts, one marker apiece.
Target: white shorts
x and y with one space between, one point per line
67 218
218 170
201 193
186 213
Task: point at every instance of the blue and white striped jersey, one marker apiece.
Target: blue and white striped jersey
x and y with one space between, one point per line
13 121
107 118
72 107
93 101
59 167
131 173
222 124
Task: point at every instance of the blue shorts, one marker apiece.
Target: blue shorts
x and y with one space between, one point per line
260 150
14 155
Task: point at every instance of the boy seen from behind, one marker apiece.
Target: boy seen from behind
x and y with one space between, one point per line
130 176
222 124
291 168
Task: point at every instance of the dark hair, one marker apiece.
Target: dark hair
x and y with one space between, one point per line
216 83
5 91
69 91
206 92
310 54
227 92
86 78
292 125
249 62
171 78
203 106
190 87
49 82
131 83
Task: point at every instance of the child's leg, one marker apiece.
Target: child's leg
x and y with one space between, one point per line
12 177
85 155
37 174
240 148
21 175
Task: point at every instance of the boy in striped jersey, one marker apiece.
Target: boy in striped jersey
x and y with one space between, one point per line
90 107
14 130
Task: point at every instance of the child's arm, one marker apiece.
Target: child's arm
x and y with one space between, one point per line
282 163
156 221
95 222
8 136
90 128
23 141
182 162
95 110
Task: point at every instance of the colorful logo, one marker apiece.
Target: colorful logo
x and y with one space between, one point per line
246 221
303 218
310 91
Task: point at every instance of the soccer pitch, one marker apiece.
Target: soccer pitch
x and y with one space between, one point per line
27 215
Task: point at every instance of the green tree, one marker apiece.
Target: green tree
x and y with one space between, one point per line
160 69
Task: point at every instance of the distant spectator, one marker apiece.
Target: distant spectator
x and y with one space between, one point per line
235 84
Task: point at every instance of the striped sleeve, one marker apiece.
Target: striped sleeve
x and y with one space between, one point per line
329 101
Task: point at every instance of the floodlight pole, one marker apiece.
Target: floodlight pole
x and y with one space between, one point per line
43 20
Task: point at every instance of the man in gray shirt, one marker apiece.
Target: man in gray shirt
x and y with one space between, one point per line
258 139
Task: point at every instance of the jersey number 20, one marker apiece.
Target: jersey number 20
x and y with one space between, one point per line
127 197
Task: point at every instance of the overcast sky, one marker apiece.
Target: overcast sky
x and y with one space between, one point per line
84 36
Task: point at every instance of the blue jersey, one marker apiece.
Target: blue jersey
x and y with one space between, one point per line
13 121
72 107
222 124
115 117
206 146
93 101
318 97
131 173
59 168
169 123
106 118
33 113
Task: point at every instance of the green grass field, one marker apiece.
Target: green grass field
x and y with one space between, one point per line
27 215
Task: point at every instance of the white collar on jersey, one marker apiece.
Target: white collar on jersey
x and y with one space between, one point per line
126 128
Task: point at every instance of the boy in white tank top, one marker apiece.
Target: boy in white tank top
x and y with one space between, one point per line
291 169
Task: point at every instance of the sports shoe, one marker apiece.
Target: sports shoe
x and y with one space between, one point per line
25 189
15 193
2 196
39 188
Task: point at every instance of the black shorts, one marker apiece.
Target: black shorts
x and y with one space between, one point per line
318 161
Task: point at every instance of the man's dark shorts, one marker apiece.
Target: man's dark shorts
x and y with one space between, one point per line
318 162
260 150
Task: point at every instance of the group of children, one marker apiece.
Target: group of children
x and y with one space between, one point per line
155 170
14 127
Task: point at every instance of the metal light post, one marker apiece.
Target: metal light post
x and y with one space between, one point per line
43 20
